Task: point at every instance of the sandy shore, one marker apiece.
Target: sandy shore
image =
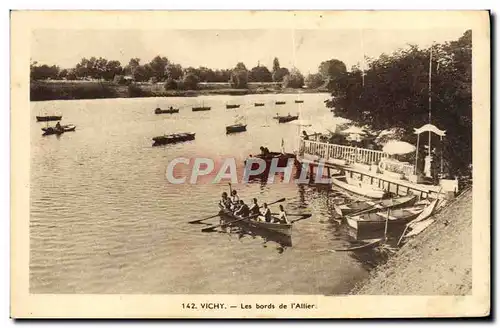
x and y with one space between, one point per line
438 261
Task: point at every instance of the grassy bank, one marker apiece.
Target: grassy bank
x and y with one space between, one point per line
438 261
62 90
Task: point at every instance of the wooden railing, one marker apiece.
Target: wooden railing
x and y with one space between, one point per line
347 153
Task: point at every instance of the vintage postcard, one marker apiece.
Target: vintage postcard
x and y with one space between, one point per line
237 164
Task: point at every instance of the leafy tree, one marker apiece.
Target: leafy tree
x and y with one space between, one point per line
279 74
171 84
260 74
62 74
314 81
239 77
158 66
71 75
395 94
43 72
174 71
190 81
293 80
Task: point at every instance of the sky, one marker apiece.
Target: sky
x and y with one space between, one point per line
217 49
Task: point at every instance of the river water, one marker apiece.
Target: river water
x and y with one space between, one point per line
104 219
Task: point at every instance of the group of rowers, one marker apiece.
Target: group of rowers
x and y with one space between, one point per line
238 207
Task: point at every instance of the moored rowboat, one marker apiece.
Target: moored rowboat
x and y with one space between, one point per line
48 118
280 102
200 109
258 104
236 128
173 138
285 229
166 111
369 206
286 119
232 106
370 222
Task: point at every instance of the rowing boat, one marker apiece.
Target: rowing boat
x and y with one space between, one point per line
53 130
359 188
173 138
166 111
200 109
48 118
299 101
367 206
370 222
232 106
280 102
236 128
286 119
285 229
258 104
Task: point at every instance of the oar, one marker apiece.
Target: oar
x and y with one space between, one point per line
227 223
224 224
304 216
197 221
287 214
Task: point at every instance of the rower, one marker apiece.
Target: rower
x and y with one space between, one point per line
282 216
254 209
235 199
58 126
243 210
225 202
266 215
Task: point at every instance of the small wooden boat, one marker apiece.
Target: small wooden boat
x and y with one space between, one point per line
173 138
299 101
360 188
200 109
280 102
368 206
236 128
258 104
371 222
285 229
48 118
166 111
53 130
286 119
232 106
281 158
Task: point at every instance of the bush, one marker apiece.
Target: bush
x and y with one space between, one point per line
171 84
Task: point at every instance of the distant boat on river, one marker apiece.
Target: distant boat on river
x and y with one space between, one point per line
173 138
166 111
232 106
236 128
259 104
48 118
286 119
299 101
280 102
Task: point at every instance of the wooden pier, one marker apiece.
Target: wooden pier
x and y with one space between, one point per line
361 164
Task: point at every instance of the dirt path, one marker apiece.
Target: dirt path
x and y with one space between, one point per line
436 262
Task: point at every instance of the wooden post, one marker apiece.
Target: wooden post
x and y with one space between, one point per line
386 224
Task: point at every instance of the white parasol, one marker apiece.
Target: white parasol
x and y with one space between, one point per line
395 147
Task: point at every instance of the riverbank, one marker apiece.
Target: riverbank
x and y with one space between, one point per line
65 90
436 262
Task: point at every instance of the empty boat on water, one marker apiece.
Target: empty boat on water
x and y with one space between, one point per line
48 118
259 104
200 109
280 102
173 138
374 206
232 106
166 111
286 119
236 128
370 222
299 101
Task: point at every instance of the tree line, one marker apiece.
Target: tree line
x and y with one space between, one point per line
161 69
393 91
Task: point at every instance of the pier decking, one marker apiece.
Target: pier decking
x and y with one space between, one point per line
361 164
